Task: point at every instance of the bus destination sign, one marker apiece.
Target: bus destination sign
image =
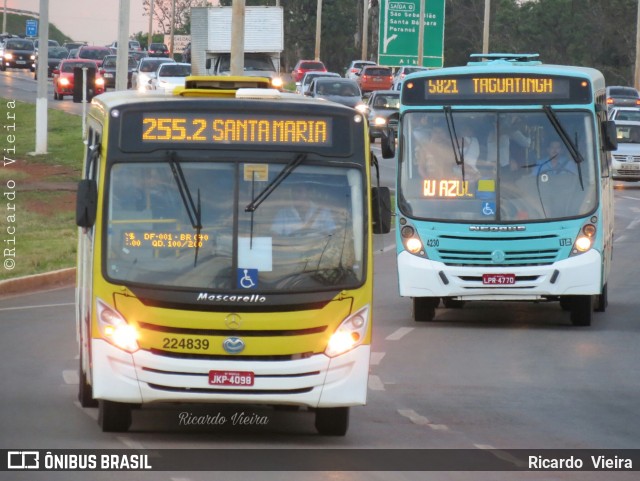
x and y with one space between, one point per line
496 88
209 128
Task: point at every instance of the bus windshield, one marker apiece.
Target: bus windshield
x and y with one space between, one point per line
191 228
497 166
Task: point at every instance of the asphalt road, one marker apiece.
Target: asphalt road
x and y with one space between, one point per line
489 376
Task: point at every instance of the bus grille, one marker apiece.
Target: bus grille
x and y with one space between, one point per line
526 250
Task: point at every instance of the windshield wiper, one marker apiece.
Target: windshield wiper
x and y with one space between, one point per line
458 150
193 211
266 192
564 136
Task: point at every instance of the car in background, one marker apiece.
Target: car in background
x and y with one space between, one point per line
303 85
624 113
186 53
336 89
133 45
354 68
63 78
382 112
108 70
401 73
304 66
170 75
625 160
158 50
18 53
55 55
138 55
618 96
52 43
375 77
145 72
95 54
71 45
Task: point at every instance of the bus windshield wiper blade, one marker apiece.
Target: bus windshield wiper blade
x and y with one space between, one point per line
458 151
564 136
266 192
193 210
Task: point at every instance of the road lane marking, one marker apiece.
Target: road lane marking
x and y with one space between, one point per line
40 306
420 420
399 334
376 358
71 376
500 454
375 383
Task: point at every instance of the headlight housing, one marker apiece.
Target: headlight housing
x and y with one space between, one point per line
585 239
411 240
351 333
115 329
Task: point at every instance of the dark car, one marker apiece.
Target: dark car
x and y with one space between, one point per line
382 112
340 90
622 96
55 55
158 50
18 53
71 45
97 54
138 55
108 70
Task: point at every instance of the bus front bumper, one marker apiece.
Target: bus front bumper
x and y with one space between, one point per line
579 275
143 377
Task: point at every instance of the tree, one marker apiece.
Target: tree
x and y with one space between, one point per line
162 14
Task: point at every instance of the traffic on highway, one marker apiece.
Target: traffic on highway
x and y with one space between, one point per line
433 281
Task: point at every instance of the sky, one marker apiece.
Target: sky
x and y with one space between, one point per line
93 21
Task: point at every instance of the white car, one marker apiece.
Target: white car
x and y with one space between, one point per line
142 77
625 113
169 76
625 160
401 73
355 67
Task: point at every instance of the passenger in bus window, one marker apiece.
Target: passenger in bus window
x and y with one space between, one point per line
434 155
306 211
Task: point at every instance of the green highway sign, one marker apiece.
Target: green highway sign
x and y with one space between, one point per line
399 32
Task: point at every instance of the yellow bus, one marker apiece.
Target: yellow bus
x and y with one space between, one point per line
225 251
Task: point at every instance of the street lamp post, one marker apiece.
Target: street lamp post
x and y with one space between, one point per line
318 28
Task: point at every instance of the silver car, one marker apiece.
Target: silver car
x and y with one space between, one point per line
625 160
142 77
308 77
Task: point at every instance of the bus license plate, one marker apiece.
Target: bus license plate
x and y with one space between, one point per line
498 279
231 378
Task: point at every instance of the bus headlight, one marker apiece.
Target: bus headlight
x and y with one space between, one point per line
585 239
351 333
115 329
411 241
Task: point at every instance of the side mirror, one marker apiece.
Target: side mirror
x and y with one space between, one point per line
388 143
381 210
208 64
86 203
610 136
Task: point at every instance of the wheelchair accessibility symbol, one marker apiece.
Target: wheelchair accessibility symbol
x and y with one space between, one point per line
488 208
247 278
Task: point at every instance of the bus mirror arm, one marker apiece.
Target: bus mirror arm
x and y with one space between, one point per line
609 138
86 203
388 143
